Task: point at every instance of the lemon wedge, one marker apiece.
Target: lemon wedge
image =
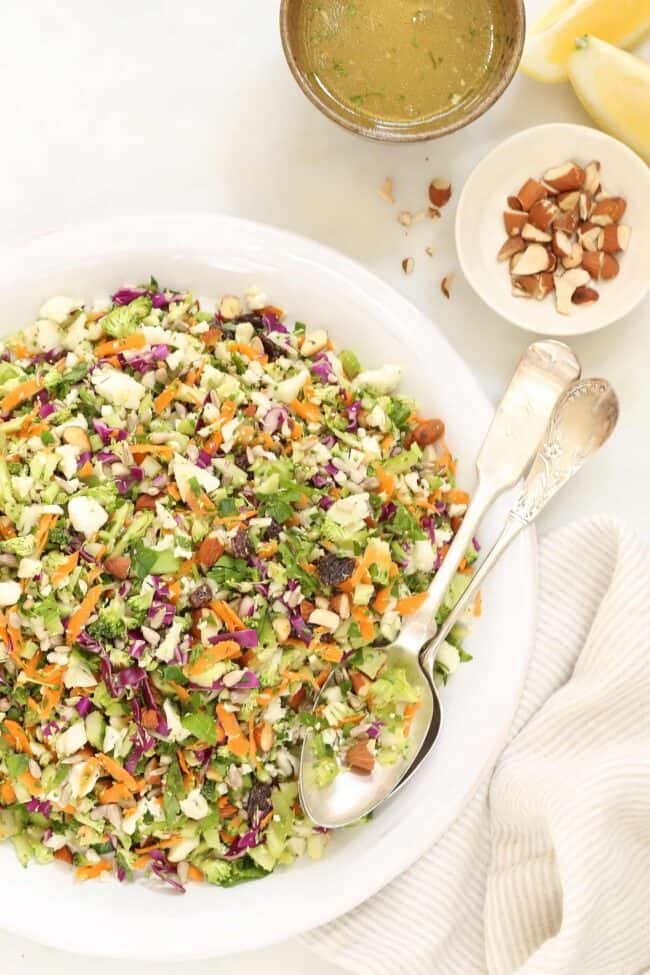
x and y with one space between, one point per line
549 17
614 88
621 22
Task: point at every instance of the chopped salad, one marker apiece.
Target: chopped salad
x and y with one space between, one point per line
202 513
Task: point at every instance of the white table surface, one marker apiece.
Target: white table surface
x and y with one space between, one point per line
188 104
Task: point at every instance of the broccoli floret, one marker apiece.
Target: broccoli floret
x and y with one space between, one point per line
20 545
140 603
110 625
105 494
217 871
59 537
136 529
124 319
49 611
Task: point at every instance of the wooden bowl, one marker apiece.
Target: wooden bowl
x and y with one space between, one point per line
495 82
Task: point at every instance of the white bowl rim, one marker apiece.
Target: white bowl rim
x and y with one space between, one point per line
49 252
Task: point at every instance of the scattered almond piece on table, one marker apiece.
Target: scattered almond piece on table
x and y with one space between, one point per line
562 230
385 191
445 284
407 265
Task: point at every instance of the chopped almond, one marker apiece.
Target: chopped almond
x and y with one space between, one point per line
360 758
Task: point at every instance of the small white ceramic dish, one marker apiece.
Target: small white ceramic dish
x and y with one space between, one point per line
214 255
480 231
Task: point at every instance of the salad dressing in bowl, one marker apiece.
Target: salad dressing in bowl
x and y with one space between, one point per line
401 61
403 70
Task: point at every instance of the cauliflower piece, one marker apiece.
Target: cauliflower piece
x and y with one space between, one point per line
382 380
350 512
118 388
86 515
59 308
10 592
70 741
288 389
194 805
185 471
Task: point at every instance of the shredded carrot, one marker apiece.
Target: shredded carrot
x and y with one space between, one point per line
81 615
410 603
306 411
93 870
118 792
7 794
331 652
457 497
386 482
226 650
252 747
374 555
19 394
86 470
381 600
248 350
227 615
238 746
163 400
366 627
195 874
17 737
160 449
65 569
126 344
478 605
30 783
45 526
229 722
118 772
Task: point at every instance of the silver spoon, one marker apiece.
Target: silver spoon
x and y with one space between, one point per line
544 372
583 420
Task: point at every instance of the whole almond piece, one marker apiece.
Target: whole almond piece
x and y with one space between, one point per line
118 566
145 502
565 287
514 222
584 295
570 176
530 193
439 192
360 758
209 551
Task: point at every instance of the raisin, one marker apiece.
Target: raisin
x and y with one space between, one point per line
332 570
259 802
241 547
201 596
272 531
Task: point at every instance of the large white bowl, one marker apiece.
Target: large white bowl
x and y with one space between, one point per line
212 255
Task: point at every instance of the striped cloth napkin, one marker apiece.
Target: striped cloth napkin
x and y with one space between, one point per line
547 872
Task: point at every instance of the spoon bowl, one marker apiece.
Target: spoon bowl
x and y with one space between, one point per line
346 799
